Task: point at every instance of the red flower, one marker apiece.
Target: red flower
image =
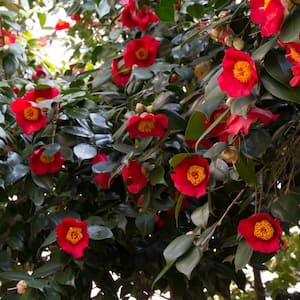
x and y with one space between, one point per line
128 15
239 73
269 14
72 236
76 18
141 52
41 94
295 81
261 232
238 123
39 72
28 115
191 176
120 73
147 125
292 51
8 36
102 179
61 25
41 164
42 41
133 173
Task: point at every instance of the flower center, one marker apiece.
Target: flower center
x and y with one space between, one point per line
7 40
74 235
242 71
39 99
266 3
145 126
264 230
141 54
46 159
294 55
195 174
31 113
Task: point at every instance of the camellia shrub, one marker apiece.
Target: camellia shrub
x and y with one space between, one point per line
163 156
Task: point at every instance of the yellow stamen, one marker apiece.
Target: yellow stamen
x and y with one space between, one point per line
294 55
264 230
141 54
242 71
46 159
266 3
74 235
39 99
145 126
196 174
31 113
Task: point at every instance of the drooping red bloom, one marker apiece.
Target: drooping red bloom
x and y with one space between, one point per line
141 52
292 51
120 73
76 18
191 176
39 72
133 173
261 232
8 36
41 164
39 95
28 115
142 18
61 25
238 123
295 81
102 179
72 236
239 73
147 125
269 14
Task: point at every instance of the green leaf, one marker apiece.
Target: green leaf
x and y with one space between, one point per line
165 11
98 232
104 167
15 276
157 176
103 8
98 120
178 158
246 169
288 31
42 18
45 182
279 90
10 64
196 10
145 222
200 215
142 73
51 149
77 131
166 268
256 143
195 126
214 151
261 51
176 121
66 277
243 255
51 238
203 239
240 106
178 247
47 269
16 172
186 73
84 151
189 261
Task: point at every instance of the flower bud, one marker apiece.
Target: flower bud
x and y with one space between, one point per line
139 108
238 43
216 33
21 287
229 40
230 154
202 69
229 101
149 109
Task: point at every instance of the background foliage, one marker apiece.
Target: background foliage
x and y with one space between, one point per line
149 244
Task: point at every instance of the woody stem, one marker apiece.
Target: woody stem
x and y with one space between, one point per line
258 285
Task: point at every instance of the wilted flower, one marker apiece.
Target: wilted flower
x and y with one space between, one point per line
120 73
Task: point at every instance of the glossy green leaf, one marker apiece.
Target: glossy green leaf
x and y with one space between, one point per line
47 269
165 11
145 222
178 158
66 277
166 268
262 50
45 182
103 8
203 239
42 18
241 105
243 255
157 176
246 169
51 238
142 73
16 172
288 31
200 215
84 151
178 247
216 149
77 131
98 232
195 126
189 261
104 167
196 10
51 149
10 64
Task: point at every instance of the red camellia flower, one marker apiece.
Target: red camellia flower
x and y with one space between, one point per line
72 236
41 164
61 25
191 176
147 125
141 52
295 81
292 51
120 73
269 14
41 94
9 37
39 73
28 115
76 18
102 179
128 15
239 73
238 123
133 173
261 232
